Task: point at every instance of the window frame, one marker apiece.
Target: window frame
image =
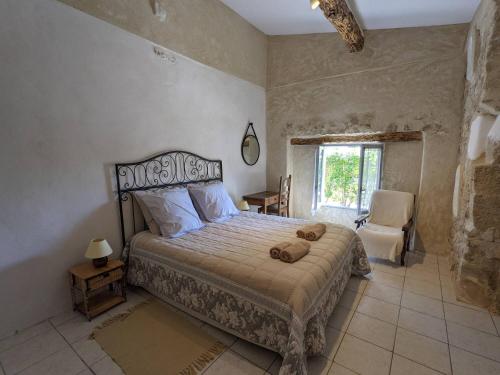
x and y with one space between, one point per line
318 183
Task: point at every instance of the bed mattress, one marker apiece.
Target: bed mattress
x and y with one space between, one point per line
224 275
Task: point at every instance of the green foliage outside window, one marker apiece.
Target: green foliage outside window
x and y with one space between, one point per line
341 179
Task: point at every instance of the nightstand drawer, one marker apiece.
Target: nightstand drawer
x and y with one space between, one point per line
104 279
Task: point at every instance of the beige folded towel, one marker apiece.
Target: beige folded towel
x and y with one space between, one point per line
295 251
312 232
278 248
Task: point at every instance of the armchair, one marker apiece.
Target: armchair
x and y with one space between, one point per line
386 230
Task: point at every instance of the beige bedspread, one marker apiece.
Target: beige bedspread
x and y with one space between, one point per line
238 250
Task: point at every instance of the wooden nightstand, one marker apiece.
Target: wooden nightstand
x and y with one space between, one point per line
96 290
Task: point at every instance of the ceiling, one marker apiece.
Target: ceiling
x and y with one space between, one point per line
280 17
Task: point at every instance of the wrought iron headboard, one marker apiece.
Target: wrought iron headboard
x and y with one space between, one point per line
168 169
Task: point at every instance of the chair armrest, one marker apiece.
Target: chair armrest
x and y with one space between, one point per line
361 220
407 226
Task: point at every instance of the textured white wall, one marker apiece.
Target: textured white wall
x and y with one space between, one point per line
78 95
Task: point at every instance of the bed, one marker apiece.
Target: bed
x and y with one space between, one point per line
223 275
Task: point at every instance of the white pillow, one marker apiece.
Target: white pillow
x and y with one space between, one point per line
148 218
173 211
213 202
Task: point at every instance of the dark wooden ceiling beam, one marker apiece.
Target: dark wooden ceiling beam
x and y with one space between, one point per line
368 137
341 16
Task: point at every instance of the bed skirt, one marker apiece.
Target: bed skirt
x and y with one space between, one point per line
241 312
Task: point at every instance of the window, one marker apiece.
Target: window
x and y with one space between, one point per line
347 175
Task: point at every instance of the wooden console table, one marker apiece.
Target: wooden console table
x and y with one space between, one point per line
263 199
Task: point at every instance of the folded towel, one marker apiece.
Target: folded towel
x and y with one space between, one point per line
278 248
295 251
312 232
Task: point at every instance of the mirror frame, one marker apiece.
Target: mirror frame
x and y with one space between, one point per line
245 136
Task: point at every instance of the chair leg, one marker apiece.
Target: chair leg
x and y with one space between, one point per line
403 253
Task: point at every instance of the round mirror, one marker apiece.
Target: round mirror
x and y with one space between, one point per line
250 149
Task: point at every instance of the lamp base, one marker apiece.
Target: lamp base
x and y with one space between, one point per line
100 262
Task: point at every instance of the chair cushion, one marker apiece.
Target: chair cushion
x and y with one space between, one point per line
382 241
391 208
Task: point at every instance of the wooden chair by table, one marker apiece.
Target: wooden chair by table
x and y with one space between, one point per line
282 208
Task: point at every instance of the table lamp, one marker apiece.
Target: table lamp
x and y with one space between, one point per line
98 250
243 206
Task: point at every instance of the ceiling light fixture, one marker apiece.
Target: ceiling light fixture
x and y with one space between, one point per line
314 4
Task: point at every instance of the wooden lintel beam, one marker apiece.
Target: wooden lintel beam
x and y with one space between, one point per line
341 16
368 137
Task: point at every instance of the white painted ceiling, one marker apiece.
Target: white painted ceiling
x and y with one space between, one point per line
280 17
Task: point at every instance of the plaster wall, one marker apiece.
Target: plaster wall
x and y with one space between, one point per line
404 80
204 30
80 94
476 229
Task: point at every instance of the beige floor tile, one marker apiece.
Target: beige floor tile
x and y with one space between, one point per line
24 335
474 341
318 365
363 357
64 362
422 254
32 351
106 366
373 330
257 355
333 340
89 350
471 318
450 297
496 320
340 318
423 304
357 284
423 275
1 370
423 288
64 317
337 369
465 363
379 309
418 260
423 350
349 299
416 268
275 367
388 279
403 366
231 363
446 280
218 334
392 268
444 269
79 328
384 293
423 324
85 372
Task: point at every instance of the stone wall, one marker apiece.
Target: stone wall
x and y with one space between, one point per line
476 229
404 79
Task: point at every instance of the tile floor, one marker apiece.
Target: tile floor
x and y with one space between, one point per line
398 321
